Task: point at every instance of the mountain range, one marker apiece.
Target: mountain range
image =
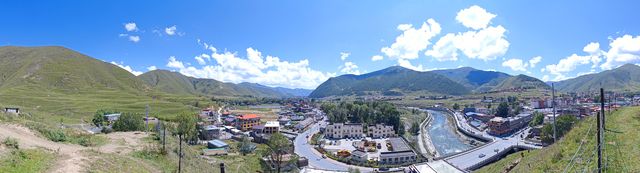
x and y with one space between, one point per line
398 80
52 70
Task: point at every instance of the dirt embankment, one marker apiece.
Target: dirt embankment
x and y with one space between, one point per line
71 157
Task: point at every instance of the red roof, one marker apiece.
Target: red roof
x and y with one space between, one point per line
248 116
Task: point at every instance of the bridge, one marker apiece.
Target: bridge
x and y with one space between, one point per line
475 158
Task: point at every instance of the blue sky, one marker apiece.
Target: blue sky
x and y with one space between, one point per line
300 44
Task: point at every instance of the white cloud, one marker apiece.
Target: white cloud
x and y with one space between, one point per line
474 17
445 49
255 68
203 58
344 55
412 40
173 63
376 58
483 42
535 60
171 30
126 67
407 64
131 27
625 49
152 68
515 64
134 38
350 68
567 65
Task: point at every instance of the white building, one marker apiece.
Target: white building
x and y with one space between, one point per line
380 131
344 130
272 127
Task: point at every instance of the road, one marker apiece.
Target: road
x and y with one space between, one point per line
474 158
304 149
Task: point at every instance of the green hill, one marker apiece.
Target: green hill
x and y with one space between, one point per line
394 80
71 85
625 78
176 83
521 82
621 148
474 79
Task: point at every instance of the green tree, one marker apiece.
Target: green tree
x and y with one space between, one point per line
456 106
98 120
186 129
503 110
415 128
564 123
277 147
129 122
538 118
245 146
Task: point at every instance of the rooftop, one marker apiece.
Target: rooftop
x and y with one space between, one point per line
218 143
397 154
398 145
272 124
248 116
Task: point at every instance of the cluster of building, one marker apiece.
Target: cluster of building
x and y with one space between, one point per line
357 131
499 126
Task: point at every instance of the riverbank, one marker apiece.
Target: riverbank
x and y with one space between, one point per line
427 147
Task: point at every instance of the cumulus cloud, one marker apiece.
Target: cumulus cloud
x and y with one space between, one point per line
376 58
535 60
134 38
482 42
126 67
412 40
152 68
203 58
171 30
515 64
350 68
255 68
474 17
407 64
344 55
131 27
625 49
566 65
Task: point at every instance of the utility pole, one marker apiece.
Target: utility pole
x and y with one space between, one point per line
147 119
553 104
600 132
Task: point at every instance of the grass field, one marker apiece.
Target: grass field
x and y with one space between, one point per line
622 146
26 160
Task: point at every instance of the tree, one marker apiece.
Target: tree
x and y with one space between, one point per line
129 122
244 146
538 118
185 130
277 147
98 120
456 106
564 123
415 128
503 110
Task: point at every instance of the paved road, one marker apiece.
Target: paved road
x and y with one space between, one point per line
472 159
304 149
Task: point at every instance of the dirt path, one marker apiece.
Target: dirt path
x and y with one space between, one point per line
71 157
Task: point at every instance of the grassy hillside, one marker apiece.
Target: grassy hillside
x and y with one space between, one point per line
624 78
474 79
69 85
390 81
176 83
521 82
622 147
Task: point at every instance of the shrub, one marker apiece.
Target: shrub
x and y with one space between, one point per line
56 135
129 122
11 143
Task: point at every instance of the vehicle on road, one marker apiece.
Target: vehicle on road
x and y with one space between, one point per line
481 155
324 156
496 150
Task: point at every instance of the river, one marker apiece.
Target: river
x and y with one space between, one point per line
443 134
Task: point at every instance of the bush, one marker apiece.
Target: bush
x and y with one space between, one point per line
11 143
129 122
56 135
